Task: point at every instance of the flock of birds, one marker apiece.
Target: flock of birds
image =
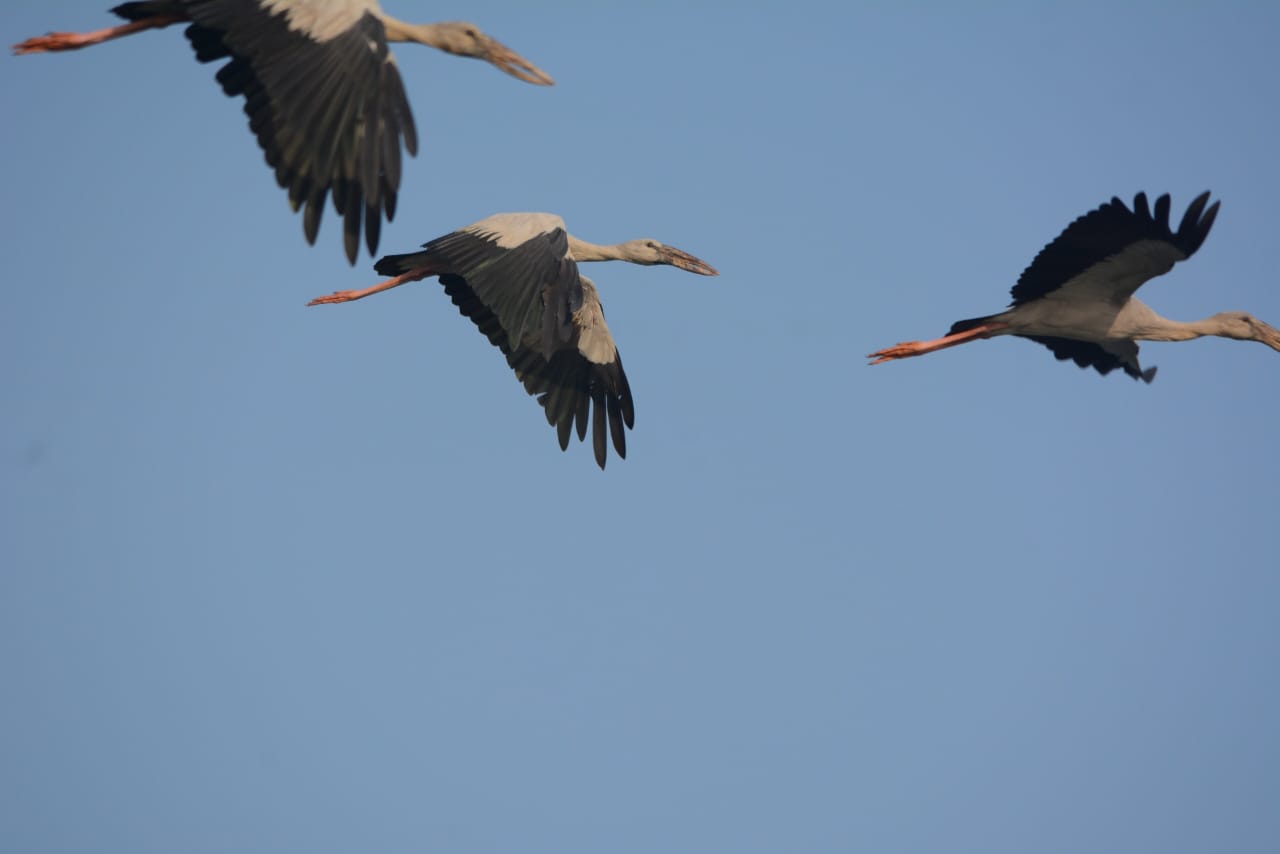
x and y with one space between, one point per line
326 101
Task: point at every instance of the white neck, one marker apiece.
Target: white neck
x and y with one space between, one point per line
403 31
584 251
1173 330
1141 322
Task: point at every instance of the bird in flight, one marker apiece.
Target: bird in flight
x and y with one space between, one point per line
1077 297
322 91
515 276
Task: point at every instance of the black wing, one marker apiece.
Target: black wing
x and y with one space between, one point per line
330 115
533 289
1086 354
567 385
1116 249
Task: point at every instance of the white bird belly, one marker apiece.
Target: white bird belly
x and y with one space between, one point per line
1081 321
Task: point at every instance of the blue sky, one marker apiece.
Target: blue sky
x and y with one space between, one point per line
291 579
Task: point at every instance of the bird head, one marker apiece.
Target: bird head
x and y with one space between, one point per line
650 252
1245 327
466 39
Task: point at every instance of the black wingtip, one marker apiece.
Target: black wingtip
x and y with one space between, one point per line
1194 211
351 231
563 431
372 229
311 219
598 429
1206 221
1163 204
583 412
1196 223
615 427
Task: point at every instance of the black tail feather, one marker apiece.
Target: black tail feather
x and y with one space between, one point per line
395 265
147 9
972 322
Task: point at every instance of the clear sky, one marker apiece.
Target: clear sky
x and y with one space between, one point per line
289 579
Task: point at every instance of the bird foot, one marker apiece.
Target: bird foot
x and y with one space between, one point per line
897 351
54 42
337 297
51 42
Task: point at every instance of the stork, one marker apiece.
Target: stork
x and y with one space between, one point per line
1077 297
322 90
515 276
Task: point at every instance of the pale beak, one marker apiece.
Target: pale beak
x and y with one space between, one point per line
1269 335
685 261
515 64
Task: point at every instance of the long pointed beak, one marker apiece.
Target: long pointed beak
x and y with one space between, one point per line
1269 335
515 64
685 261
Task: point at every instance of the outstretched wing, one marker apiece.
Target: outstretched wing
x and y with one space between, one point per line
323 96
576 384
1108 254
519 267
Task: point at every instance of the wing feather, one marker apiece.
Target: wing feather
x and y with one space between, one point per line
571 388
329 110
1103 358
1112 251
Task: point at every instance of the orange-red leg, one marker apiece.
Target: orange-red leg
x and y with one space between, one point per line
348 296
74 41
919 348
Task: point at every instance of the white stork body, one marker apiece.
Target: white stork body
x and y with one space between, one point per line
1076 297
322 90
515 276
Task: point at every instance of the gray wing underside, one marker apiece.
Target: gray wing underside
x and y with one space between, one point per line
533 290
330 114
572 389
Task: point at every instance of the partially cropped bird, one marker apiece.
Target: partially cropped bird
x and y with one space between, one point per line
1077 298
322 90
515 275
